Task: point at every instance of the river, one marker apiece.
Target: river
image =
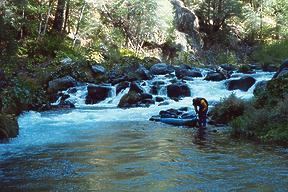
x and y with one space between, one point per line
103 148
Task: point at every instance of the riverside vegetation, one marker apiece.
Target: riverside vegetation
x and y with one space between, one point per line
41 41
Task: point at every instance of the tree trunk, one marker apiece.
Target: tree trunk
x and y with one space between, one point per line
59 16
47 17
66 15
79 21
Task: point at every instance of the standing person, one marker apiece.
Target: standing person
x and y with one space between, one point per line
201 108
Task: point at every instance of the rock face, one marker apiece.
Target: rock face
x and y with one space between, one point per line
186 22
61 84
283 70
178 90
97 93
8 126
243 84
161 69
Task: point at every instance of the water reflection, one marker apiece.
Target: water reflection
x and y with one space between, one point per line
143 156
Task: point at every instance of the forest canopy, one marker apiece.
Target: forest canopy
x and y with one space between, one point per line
230 30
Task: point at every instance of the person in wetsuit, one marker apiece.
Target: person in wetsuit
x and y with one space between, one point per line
201 108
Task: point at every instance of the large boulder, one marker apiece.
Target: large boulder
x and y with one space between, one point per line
243 84
184 73
214 76
178 90
134 86
228 67
98 70
142 73
161 69
61 84
283 70
8 126
136 97
97 93
131 99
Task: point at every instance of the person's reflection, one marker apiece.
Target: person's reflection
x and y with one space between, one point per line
200 136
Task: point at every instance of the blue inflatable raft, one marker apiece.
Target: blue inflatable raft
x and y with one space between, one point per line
180 122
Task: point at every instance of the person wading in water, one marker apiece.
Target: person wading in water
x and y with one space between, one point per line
201 108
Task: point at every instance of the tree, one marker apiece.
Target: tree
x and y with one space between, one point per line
59 16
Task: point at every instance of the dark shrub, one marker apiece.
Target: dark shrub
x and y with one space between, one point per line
228 109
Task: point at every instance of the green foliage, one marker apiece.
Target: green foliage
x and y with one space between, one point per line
226 57
244 68
227 109
274 52
22 95
276 90
267 124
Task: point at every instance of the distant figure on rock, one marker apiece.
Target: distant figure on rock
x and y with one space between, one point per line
201 108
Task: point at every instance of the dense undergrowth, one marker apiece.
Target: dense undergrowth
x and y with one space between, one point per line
263 118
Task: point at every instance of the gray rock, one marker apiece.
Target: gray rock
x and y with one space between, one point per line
228 67
182 73
61 84
178 90
161 69
143 73
97 93
284 68
98 70
243 84
121 86
214 76
134 86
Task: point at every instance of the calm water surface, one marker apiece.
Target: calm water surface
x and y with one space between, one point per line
134 156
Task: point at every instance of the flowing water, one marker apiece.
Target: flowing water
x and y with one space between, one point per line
103 148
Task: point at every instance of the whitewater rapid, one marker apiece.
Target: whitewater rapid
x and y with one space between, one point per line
61 126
